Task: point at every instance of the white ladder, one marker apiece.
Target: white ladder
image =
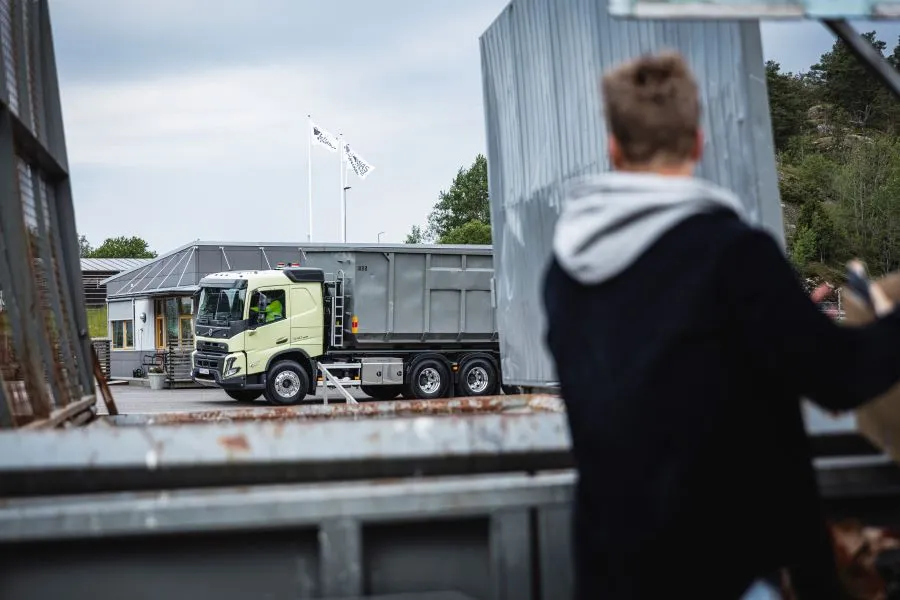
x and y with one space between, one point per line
337 310
330 381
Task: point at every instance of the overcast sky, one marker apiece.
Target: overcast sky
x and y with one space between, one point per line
186 119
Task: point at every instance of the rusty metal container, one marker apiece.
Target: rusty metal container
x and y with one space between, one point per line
459 499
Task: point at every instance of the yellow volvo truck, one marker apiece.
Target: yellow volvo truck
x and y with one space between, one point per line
407 325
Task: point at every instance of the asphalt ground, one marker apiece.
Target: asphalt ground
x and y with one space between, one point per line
136 399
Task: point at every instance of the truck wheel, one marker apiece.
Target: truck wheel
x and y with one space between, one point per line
428 380
286 383
478 377
382 392
244 395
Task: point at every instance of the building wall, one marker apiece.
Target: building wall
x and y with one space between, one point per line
123 363
541 64
144 331
94 292
125 360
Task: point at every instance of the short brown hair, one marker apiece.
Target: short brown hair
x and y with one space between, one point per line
652 108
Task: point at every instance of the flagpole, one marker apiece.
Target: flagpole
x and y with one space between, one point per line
309 207
341 195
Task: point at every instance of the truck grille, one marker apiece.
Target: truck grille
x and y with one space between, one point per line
205 362
212 347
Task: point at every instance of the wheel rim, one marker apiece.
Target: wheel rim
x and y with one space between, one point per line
477 380
287 384
429 380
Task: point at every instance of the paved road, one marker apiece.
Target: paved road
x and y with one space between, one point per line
131 399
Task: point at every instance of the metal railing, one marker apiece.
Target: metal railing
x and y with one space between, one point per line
46 358
178 364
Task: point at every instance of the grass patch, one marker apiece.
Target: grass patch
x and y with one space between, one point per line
96 317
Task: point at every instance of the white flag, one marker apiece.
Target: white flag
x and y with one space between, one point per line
323 138
357 163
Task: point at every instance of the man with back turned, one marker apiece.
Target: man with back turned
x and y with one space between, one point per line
683 343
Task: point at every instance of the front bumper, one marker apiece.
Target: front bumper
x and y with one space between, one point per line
207 370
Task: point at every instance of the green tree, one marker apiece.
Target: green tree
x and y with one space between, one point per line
846 83
867 187
123 247
85 248
894 57
463 212
789 99
415 235
804 250
472 233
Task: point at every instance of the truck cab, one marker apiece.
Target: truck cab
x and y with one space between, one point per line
250 321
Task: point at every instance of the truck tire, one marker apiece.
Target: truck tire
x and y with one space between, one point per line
382 392
286 383
428 380
477 377
244 395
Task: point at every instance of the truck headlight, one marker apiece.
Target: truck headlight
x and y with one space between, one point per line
230 369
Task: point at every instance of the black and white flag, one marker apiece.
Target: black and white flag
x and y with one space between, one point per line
357 163
323 138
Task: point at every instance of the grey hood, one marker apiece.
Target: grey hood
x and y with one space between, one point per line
608 221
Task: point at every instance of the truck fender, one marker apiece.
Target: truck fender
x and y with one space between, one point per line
416 358
303 359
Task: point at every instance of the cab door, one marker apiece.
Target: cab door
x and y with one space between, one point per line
269 330
307 319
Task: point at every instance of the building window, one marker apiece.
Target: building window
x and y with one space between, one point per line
174 322
122 334
160 333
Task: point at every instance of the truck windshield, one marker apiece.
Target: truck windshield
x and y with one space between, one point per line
221 305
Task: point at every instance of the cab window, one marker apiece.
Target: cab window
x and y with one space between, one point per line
267 306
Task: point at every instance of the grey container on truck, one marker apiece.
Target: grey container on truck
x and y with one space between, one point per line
438 296
541 65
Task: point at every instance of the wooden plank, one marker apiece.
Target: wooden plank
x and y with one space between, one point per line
102 383
57 417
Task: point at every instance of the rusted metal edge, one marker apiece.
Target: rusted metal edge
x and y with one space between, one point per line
366 410
60 415
106 515
197 445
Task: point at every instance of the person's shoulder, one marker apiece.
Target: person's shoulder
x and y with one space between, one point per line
708 234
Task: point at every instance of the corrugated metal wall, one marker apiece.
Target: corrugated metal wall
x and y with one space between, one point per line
45 354
541 63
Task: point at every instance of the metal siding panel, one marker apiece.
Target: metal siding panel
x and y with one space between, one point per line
246 258
231 565
441 553
112 265
209 260
541 65
8 54
409 275
370 289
